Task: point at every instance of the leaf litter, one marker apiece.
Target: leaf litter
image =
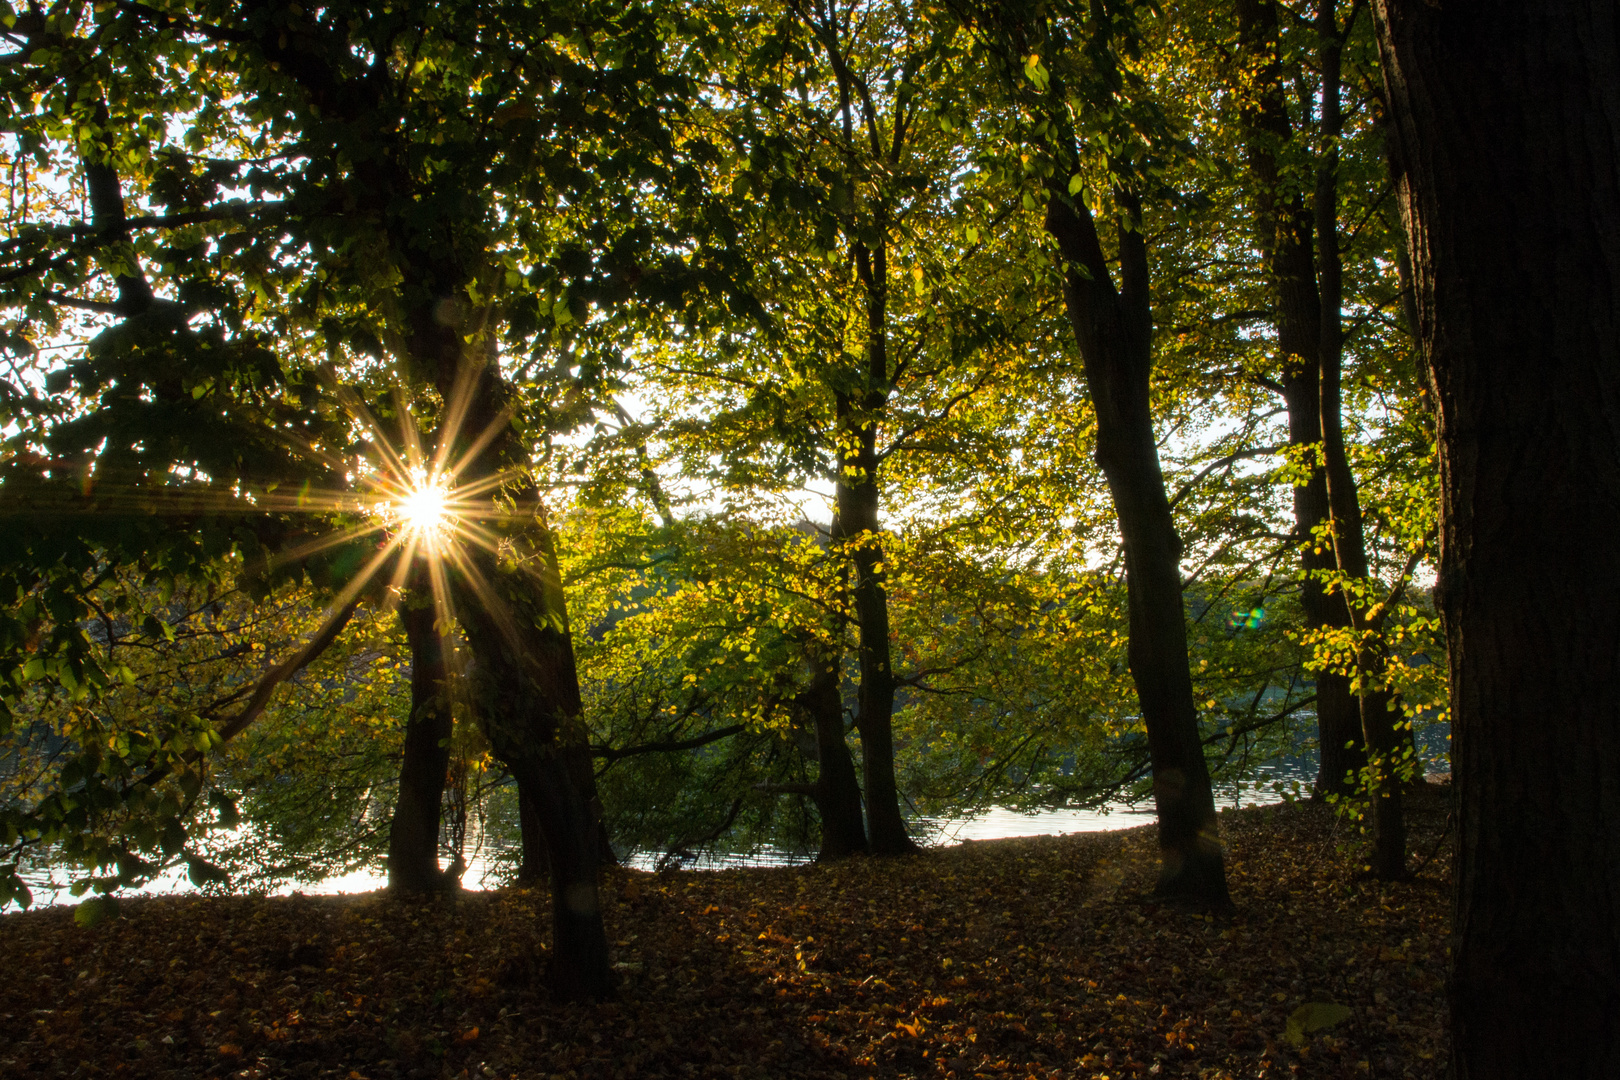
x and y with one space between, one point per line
1036 957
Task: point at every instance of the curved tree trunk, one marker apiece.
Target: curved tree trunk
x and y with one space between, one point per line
1114 330
1285 230
837 792
413 835
526 694
523 680
1506 124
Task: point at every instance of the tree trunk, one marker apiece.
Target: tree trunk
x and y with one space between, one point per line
582 767
1284 229
536 864
524 683
836 792
1378 723
856 497
526 694
413 835
1114 330
579 950
1506 122
1339 733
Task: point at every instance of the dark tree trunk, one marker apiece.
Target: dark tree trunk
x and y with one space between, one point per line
1506 123
524 683
526 693
1379 727
837 792
1114 330
1338 712
579 950
525 688
106 197
856 494
536 865
413 835
1284 228
860 406
582 767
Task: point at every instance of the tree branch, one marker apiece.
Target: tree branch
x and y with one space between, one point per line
615 753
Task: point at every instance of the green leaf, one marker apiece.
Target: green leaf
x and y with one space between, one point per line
229 816
13 888
173 836
95 910
1313 1016
1036 72
202 872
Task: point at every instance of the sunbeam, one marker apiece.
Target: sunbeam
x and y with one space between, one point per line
425 507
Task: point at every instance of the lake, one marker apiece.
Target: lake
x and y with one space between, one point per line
485 869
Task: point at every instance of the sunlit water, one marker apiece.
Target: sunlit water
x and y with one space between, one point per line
487 869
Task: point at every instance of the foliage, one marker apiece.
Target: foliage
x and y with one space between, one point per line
670 227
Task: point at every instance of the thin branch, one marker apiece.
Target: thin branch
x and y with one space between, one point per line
672 746
1221 463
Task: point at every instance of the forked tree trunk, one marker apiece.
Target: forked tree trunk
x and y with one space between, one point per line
837 792
1506 122
413 835
1285 230
860 406
1114 330
1339 733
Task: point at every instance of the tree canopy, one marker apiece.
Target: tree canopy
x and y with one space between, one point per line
776 424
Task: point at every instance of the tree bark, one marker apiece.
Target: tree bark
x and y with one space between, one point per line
856 495
1114 330
413 835
1506 124
535 866
836 792
1378 723
1285 228
859 407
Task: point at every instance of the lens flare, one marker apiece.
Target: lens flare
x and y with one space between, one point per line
1251 620
424 508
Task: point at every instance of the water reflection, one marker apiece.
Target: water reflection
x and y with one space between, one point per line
490 866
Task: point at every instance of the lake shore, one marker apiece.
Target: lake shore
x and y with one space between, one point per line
1039 957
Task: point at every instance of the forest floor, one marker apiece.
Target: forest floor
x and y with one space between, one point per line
1040 957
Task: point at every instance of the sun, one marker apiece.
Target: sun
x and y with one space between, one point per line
424 507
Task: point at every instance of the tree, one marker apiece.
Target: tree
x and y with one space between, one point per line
1050 57
1507 166
130 464
715 681
874 328
413 833
1360 725
1286 232
415 291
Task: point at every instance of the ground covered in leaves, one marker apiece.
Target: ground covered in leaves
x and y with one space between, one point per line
1038 957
